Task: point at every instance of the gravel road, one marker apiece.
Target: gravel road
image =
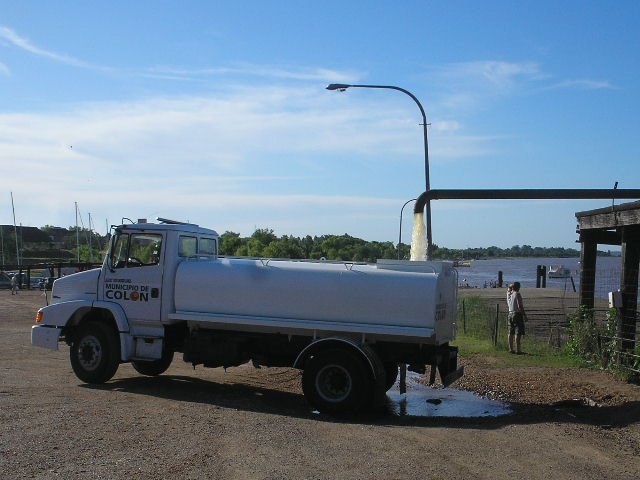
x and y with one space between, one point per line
255 424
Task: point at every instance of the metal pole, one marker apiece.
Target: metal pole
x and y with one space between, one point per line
21 249
15 229
2 243
343 87
496 326
464 318
90 234
77 233
400 230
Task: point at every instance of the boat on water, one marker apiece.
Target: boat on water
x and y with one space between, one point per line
559 271
462 263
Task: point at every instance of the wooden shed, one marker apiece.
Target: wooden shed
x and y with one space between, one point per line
614 225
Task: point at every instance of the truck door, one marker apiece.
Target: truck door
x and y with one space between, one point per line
134 277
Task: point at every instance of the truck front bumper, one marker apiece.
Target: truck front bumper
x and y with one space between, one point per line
45 336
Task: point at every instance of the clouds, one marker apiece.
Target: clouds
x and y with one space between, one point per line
489 75
583 84
25 44
230 132
467 86
502 77
268 153
242 145
185 151
313 74
296 73
232 140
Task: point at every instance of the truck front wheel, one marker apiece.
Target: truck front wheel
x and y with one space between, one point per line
337 380
95 352
154 367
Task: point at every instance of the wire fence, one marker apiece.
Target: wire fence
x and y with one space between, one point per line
549 312
626 351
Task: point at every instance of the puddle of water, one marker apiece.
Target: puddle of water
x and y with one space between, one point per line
424 401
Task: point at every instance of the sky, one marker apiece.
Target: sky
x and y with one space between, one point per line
217 113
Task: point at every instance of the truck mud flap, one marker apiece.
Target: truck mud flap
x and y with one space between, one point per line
451 377
448 367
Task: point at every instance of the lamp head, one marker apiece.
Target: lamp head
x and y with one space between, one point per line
338 86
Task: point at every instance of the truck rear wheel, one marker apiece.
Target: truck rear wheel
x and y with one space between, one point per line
95 352
154 367
337 380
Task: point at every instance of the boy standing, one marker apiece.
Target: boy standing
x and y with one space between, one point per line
517 317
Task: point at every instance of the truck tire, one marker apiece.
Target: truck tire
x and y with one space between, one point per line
337 380
154 367
391 375
95 352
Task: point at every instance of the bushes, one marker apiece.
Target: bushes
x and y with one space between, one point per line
589 341
595 342
583 338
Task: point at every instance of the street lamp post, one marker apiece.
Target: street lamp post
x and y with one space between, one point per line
400 230
343 86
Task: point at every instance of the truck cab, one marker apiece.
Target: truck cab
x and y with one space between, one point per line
139 272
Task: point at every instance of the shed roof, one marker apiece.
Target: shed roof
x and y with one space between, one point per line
623 215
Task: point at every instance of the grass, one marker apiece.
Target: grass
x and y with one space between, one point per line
477 341
537 354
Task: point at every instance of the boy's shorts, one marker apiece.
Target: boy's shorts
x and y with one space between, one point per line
516 323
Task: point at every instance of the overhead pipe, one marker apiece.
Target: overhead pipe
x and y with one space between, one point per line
525 194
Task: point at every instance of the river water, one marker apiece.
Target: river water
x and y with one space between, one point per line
483 273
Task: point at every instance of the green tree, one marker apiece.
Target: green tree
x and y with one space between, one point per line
286 247
230 243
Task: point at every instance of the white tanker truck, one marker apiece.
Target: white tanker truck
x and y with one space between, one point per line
163 289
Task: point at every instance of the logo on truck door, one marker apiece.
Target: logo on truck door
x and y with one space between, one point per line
123 289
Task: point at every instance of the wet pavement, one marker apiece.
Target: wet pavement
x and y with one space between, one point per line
424 401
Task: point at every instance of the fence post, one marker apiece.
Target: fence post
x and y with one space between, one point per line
464 318
495 326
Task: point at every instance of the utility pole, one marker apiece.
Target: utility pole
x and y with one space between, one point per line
90 234
77 233
2 243
15 229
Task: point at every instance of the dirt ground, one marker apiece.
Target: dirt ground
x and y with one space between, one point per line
255 424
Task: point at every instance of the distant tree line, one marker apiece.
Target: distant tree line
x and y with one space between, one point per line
53 243
264 243
49 244
496 252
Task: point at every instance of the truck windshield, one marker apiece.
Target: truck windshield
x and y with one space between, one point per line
136 250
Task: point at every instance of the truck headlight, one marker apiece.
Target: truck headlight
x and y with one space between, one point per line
39 316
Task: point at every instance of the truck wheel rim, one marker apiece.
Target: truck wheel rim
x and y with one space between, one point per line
333 383
89 352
